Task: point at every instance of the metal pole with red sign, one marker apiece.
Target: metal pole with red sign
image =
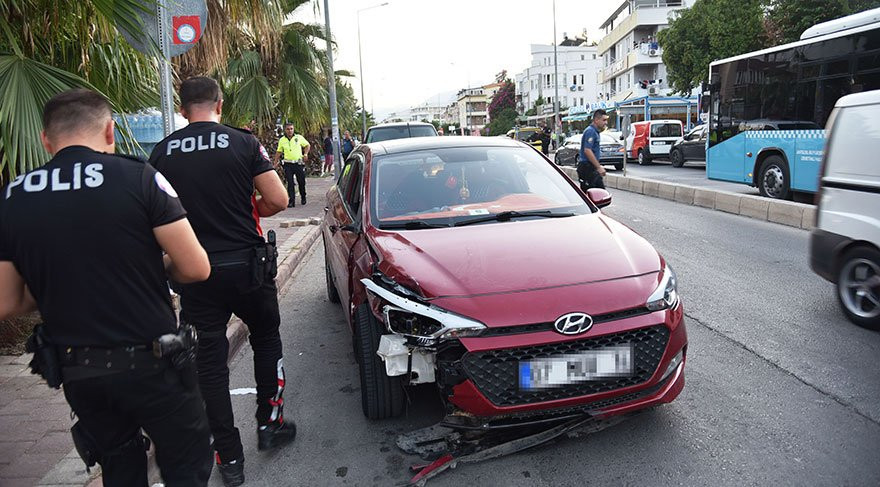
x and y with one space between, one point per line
170 31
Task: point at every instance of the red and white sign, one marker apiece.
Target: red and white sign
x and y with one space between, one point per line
187 29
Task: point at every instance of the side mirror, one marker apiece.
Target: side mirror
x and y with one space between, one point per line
600 197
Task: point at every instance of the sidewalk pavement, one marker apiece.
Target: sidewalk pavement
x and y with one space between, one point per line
35 445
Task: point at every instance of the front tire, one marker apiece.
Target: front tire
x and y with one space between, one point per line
643 158
381 396
677 158
618 166
773 178
858 287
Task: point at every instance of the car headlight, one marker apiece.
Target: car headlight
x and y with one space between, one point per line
407 317
666 294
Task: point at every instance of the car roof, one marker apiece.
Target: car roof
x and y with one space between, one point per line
864 98
410 144
399 124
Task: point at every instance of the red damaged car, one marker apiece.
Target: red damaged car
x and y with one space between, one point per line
475 264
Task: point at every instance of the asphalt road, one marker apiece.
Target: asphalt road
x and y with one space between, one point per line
781 389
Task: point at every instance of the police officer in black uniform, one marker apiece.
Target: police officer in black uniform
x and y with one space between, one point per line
216 168
81 239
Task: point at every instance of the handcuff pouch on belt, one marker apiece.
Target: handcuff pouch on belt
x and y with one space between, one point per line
45 362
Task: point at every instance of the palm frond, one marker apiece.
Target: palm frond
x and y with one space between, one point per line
25 86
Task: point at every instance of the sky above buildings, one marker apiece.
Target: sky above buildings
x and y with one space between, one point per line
417 51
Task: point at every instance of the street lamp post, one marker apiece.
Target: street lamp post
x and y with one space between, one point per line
334 114
556 121
361 64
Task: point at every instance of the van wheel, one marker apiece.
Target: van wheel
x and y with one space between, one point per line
773 179
858 287
643 159
381 396
677 158
332 293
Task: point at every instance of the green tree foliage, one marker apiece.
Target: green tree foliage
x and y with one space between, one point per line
709 30
788 19
503 121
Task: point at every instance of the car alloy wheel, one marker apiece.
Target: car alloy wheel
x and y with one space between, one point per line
858 287
642 159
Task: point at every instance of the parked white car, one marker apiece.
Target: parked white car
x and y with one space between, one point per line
845 245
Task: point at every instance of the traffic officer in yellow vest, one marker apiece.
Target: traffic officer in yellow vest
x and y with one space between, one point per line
291 148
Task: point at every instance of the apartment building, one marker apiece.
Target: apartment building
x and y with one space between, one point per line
632 63
577 85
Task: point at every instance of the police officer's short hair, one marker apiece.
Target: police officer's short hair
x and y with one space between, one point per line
198 90
599 114
288 124
75 111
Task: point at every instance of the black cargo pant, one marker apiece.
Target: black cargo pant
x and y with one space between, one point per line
113 408
589 177
207 306
297 171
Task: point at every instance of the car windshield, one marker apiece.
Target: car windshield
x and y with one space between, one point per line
605 139
666 130
379 134
451 185
422 131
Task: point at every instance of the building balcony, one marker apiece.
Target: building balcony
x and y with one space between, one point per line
647 12
642 56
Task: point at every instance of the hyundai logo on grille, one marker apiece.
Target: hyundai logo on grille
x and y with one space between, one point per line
573 323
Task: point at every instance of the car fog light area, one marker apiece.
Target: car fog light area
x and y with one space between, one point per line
666 294
673 364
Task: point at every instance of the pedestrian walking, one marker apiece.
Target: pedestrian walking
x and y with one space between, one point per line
291 148
347 145
590 171
81 239
328 155
225 214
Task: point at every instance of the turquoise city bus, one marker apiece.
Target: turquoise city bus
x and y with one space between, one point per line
767 109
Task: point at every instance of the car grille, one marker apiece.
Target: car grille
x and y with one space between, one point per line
536 327
496 372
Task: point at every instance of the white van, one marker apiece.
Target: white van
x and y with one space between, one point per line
845 245
653 138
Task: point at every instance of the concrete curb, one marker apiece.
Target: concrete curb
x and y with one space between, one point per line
798 215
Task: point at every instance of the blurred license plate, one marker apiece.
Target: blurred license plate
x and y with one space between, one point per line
659 142
567 369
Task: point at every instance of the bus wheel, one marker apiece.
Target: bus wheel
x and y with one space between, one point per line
677 158
643 159
858 287
773 179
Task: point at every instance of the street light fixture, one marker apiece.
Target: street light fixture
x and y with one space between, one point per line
361 63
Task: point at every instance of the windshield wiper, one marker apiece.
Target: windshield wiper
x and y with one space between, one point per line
410 225
507 215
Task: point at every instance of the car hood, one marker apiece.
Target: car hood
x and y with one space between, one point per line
514 256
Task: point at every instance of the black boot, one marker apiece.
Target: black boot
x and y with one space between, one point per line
232 473
275 434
